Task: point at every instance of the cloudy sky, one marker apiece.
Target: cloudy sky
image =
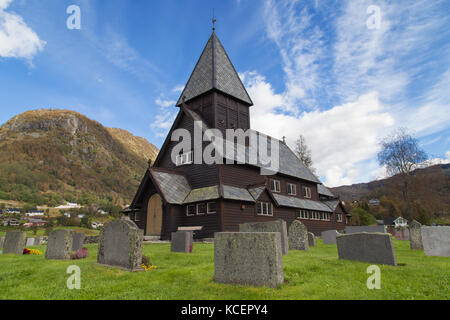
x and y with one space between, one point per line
343 74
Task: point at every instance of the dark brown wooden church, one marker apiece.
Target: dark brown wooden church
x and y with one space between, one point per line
219 197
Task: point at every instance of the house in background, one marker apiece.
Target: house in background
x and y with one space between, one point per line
35 213
374 202
398 222
219 197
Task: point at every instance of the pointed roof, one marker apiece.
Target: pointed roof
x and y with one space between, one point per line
214 70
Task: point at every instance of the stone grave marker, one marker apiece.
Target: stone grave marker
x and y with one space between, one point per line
311 239
298 236
436 240
78 241
415 235
269 226
248 258
182 241
329 236
120 245
59 244
377 248
30 242
14 242
2 241
358 229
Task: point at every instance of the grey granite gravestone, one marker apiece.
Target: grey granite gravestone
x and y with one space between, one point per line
2 241
14 242
329 236
298 236
377 248
311 239
38 241
358 229
59 245
78 241
436 241
401 234
415 235
30 242
248 258
269 226
120 245
182 241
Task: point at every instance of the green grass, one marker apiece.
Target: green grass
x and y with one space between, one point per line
317 274
41 231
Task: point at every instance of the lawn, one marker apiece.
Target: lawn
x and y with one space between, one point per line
316 274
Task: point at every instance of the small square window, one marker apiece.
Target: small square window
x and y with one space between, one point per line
190 210
307 192
211 207
201 208
275 185
292 189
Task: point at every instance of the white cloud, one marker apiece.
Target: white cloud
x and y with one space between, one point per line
178 89
165 103
17 40
162 123
340 138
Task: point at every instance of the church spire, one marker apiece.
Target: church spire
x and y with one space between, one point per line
214 70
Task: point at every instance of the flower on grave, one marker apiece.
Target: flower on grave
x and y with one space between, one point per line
146 264
79 254
32 252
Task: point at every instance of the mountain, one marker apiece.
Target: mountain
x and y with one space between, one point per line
430 189
50 156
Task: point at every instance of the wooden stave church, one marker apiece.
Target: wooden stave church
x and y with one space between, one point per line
216 197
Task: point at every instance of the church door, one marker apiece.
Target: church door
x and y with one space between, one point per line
154 216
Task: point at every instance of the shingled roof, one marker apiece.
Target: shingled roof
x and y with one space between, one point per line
322 190
214 70
294 202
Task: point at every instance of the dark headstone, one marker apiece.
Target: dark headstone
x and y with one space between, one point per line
377 248
311 239
298 236
269 226
401 234
436 241
91 239
415 235
329 236
182 241
78 241
59 244
120 245
14 242
248 258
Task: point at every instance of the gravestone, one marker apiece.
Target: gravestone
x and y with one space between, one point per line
182 241
436 241
14 242
311 239
120 245
298 236
30 242
269 226
38 241
329 236
401 234
78 241
415 236
377 248
59 245
358 229
248 258
2 241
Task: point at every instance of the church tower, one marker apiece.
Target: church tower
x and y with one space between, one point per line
215 91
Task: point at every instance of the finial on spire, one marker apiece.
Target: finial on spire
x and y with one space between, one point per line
214 21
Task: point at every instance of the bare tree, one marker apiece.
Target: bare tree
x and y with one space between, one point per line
400 154
304 153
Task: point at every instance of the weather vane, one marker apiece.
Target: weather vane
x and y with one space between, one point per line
214 22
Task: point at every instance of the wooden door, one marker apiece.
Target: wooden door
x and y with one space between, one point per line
154 216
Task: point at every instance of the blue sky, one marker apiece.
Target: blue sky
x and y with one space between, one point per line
330 70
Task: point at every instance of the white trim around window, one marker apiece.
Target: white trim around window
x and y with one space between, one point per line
275 185
302 214
190 206
307 192
211 207
292 189
264 209
185 158
202 207
339 217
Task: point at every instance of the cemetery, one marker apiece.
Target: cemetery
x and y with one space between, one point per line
247 264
